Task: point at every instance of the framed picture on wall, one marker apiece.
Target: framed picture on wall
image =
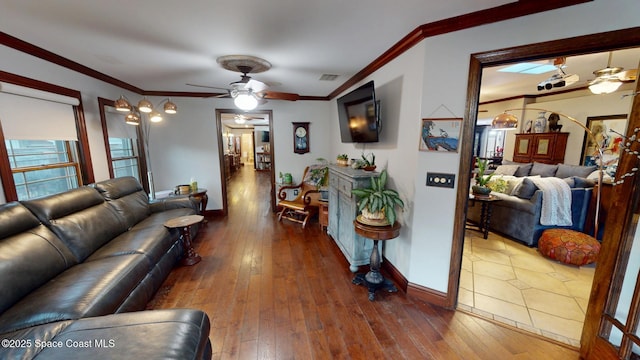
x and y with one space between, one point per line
608 134
440 134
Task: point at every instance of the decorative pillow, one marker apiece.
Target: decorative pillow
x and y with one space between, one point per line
565 171
506 169
571 181
526 189
512 184
544 170
498 185
523 170
581 182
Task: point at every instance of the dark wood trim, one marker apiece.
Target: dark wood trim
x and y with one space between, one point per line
394 274
427 295
483 17
614 253
102 102
20 45
223 177
6 176
607 41
84 152
83 142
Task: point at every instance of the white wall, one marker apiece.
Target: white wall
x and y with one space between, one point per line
429 80
447 62
423 250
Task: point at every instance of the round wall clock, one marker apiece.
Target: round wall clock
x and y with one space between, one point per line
300 137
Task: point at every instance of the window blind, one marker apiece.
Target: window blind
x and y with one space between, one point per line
28 118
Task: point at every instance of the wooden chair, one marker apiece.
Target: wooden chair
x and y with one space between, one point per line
306 203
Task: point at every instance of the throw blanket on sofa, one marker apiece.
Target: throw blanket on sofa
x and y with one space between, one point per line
556 201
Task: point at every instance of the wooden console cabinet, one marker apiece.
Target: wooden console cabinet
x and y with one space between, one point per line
343 209
548 148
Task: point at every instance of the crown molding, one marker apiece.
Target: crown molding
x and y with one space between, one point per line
482 17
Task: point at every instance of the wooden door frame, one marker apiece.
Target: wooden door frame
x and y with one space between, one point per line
619 39
223 181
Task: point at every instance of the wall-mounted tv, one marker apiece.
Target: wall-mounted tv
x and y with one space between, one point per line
359 115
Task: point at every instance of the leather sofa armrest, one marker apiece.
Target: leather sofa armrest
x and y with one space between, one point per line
169 203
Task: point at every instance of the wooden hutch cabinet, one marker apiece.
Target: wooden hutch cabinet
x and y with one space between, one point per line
548 148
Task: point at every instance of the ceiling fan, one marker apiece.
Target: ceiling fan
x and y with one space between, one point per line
609 79
248 92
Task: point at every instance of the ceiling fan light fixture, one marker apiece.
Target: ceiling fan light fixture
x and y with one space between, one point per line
122 104
240 120
245 101
604 86
504 121
170 107
145 105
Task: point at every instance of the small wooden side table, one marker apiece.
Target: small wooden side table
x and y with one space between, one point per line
323 216
184 223
486 202
201 196
374 280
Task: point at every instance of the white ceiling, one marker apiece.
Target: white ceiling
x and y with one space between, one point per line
164 44
161 45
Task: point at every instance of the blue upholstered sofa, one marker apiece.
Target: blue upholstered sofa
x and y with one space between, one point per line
517 215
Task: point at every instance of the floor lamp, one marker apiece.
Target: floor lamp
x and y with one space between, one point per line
507 120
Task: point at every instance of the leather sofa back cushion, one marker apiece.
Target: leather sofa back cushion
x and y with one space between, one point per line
127 197
30 254
80 218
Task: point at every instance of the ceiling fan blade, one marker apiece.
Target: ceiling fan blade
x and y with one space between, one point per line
275 95
207 86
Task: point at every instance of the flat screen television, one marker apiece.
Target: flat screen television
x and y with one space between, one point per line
359 115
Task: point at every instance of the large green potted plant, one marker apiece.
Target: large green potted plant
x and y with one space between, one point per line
378 203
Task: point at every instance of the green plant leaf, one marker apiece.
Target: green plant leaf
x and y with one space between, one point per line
383 179
391 214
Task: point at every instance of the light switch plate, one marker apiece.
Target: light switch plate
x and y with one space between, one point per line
441 179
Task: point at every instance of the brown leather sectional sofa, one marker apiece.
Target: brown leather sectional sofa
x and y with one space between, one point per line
77 270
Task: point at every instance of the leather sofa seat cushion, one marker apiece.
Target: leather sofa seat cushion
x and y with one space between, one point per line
127 197
153 242
30 254
89 289
80 218
156 334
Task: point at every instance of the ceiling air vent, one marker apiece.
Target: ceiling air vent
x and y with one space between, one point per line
328 77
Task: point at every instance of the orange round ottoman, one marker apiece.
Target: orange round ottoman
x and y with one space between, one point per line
569 246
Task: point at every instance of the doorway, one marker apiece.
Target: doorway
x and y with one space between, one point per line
245 139
479 62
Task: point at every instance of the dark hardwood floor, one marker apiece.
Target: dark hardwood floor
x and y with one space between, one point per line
275 291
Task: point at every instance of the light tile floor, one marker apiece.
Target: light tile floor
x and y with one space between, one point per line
514 284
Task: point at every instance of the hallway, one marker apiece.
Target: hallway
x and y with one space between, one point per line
275 291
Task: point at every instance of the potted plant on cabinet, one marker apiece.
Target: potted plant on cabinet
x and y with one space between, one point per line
482 179
377 203
342 159
369 162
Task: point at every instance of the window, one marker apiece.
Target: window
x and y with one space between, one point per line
124 158
43 167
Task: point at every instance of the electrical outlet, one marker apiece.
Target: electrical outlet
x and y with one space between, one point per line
441 180
295 192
